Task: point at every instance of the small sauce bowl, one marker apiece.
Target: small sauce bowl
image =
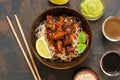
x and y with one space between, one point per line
109 63
85 74
92 9
111 28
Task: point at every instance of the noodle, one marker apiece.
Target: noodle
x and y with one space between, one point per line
64 54
40 29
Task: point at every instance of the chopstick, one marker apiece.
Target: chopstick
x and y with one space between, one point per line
28 49
36 77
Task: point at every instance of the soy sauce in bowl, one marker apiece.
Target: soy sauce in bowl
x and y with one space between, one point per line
110 63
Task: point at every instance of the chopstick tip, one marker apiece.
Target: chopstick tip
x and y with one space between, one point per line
15 15
7 17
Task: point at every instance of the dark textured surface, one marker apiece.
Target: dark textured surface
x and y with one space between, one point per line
58 11
12 63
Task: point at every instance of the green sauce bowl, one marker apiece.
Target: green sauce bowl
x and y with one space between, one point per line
92 9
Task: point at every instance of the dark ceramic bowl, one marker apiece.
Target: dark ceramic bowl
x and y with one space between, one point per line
57 11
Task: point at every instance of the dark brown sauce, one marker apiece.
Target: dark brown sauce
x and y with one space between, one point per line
112 28
111 63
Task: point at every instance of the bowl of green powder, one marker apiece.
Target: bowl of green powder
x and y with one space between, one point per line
92 9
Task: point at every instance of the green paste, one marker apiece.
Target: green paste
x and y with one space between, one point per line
92 8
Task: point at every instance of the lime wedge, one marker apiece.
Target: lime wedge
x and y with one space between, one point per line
59 2
42 48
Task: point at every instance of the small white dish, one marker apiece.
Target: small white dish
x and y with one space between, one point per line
103 31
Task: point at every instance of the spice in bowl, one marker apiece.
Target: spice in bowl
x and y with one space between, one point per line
92 9
85 74
111 28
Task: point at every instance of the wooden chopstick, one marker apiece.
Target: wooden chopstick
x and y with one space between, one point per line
28 49
21 47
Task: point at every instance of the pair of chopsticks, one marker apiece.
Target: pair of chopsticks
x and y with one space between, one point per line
32 66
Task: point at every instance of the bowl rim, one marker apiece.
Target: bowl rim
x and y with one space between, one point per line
38 57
